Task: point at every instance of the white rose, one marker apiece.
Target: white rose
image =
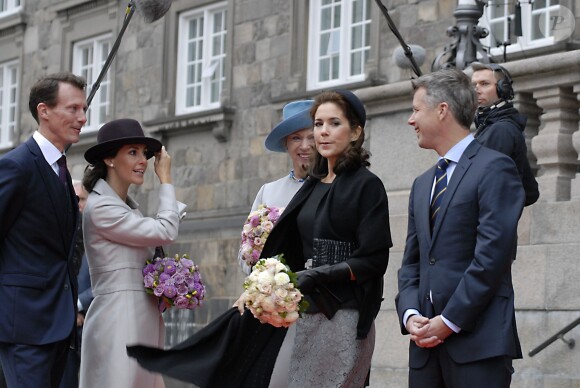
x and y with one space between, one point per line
268 305
281 279
280 267
265 277
291 317
281 293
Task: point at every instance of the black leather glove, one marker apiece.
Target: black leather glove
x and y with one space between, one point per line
325 274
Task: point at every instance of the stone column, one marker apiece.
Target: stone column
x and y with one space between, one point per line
526 105
553 147
575 188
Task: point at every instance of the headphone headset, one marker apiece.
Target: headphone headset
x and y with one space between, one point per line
503 86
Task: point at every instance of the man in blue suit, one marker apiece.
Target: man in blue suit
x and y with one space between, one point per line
38 284
456 298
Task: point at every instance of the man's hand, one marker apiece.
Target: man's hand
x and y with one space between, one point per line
438 328
420 329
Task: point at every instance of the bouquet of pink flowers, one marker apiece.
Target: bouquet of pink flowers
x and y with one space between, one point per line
176 281
256 230
271 294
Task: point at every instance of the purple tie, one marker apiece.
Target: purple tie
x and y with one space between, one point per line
62 170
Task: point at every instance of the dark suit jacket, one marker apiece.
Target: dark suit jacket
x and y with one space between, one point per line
466 264
38 286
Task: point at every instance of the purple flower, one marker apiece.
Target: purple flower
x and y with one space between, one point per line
182 289
158 291
193 302
163 277
255 220
181 302
170 267
179 278
149 268
170 291
186 262
148 280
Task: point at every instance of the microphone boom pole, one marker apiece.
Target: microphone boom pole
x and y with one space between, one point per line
405 46
128 15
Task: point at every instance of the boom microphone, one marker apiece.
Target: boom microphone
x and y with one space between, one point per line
151 10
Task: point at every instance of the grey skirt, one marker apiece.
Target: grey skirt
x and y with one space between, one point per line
327 353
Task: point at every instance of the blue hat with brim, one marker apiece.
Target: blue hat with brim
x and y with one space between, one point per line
295 117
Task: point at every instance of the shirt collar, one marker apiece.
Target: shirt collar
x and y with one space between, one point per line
49 151
454 154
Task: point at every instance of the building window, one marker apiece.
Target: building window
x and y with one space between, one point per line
8 102
339 41
9 6
200 59
540 22
89 57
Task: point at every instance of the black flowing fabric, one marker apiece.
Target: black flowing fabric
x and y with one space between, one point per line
232 351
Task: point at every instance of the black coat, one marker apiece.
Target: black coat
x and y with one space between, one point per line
501 129
237 350
356 210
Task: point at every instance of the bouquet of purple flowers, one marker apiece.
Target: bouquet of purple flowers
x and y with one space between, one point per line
176 281
256 230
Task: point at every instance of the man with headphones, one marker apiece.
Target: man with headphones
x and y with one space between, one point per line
499 125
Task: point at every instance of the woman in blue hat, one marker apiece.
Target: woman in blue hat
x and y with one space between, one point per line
294 136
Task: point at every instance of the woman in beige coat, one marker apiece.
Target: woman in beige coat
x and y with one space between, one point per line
118 241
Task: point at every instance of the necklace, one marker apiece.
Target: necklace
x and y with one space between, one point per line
293 177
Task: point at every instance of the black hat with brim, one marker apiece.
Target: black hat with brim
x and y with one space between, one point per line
118 133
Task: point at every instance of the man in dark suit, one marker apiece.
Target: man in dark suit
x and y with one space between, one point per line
38 285
456 298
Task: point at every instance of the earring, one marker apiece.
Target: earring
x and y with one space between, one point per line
111 165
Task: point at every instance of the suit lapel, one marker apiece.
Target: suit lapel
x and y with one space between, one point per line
423 200
54 189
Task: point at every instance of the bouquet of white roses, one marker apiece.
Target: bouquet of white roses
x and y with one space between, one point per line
271 294
176 281
256 230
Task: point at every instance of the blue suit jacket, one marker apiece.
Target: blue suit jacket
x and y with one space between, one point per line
466 263
38 224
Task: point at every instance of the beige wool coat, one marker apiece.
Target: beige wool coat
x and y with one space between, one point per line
118 240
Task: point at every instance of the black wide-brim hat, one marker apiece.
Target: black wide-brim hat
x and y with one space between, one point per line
117 133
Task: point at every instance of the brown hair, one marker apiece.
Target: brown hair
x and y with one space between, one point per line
354 156
46 90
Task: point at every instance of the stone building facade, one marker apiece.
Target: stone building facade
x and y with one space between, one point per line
263 55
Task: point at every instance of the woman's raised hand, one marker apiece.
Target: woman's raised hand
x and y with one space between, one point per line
162 165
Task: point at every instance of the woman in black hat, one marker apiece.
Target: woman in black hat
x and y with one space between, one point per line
118 241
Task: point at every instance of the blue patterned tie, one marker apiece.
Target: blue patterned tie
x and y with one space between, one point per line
440 188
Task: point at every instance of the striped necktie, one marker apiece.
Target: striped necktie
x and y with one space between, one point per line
440 188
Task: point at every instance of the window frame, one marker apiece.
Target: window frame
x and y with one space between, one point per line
95 116
12 91
12 6
207 59
524 42
345 50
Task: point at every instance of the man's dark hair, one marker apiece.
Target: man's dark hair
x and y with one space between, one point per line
46 90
